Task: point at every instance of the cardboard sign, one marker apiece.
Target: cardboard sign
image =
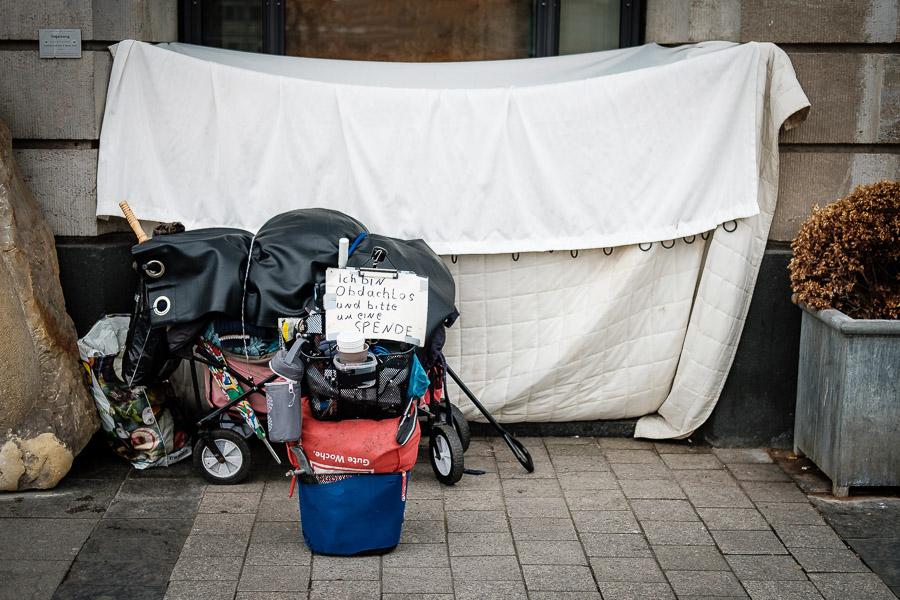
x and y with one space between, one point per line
378 305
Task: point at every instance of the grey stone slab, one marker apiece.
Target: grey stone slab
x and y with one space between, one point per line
48 539
773 491
114 539
663 510
426 487
651 488
476 521
487 481
750 472
615 545
489 590
222 524
641 471
71 499
565 450
742 455
588 480
791 513
274 578
690 558
460 500
328 568
550 553
851 586
577 464
203 568
256 482
480 544
488 464
136 571
809 536
705 583
596 500
558 578
583 595
605 521
570 440
612 443
824 560
413 555
39 577
717 496
765 568
212 545
537 507
270 531
704 477
342 590
278 553
424 580
236 503
680 447
782 590
112 590
679 533
152 508
627 569
279 509
423 532
691 461
524 488
200 590
648 457
536 528
748 542
733 518
480 447
620 590
513 470
485 568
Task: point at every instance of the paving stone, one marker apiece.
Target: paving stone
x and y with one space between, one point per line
765 568
690 558
513 470
619 590
809 536
615 545
647 457
588 480
772 491
201 568
748 542
790 513
663 510
256 483
704 477
558 578
614 443
280 509
691 461
782 590
569 440
742 455
222 524
536 528
679 533
419 596
821 560
523 488
475 521
48 539
136 570
342 590
749 472
651 488
422 580
113 590
537 507
413 555
278 553
200 590
274 578
487 481
605 521
678 447
488 464
114 539
39 577
583 595
489 590
733 518
566 450
715 496
425 487
485 568
641 471
236 503
423 532
851 586
329 568
705 583
577 464
419 510
212 545
596 500
480 544
71 499
271 531
626 569
550 553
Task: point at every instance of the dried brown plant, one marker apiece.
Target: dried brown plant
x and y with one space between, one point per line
847 254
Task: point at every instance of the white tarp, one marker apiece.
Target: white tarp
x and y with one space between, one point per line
586 151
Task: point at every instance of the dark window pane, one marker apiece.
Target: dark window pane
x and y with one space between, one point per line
408 30
588 25
233 24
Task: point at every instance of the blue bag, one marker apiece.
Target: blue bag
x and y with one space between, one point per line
353 514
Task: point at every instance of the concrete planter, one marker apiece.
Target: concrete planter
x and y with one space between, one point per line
848 399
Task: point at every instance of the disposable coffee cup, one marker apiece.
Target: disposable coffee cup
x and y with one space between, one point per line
352 347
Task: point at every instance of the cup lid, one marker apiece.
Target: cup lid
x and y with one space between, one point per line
351 341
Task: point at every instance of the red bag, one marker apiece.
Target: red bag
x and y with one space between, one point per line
256 370
356 445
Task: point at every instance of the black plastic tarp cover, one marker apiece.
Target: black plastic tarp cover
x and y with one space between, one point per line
204 271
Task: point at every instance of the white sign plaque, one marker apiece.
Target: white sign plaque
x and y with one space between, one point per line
378 305
60 43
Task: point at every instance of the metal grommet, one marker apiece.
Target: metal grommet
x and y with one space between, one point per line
693 237
663 244
705 235
515 256
454 258
162 305
573 253
725 226
647 249
607 253
154 269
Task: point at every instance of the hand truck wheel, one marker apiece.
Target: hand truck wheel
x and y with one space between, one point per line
446 453
230 465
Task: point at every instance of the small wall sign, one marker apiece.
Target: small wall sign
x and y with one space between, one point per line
60 43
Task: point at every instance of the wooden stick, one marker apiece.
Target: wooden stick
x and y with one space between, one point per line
133 222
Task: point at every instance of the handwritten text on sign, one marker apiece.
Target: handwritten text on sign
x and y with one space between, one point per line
379 307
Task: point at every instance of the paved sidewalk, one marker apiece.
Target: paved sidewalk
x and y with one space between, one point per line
611 516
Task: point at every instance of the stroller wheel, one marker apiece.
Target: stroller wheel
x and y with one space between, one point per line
461 426
446 454
235 464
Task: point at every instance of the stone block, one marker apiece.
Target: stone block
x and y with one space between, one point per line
21 20
146 20
681 21
53 99
809 178
819 21
855 98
